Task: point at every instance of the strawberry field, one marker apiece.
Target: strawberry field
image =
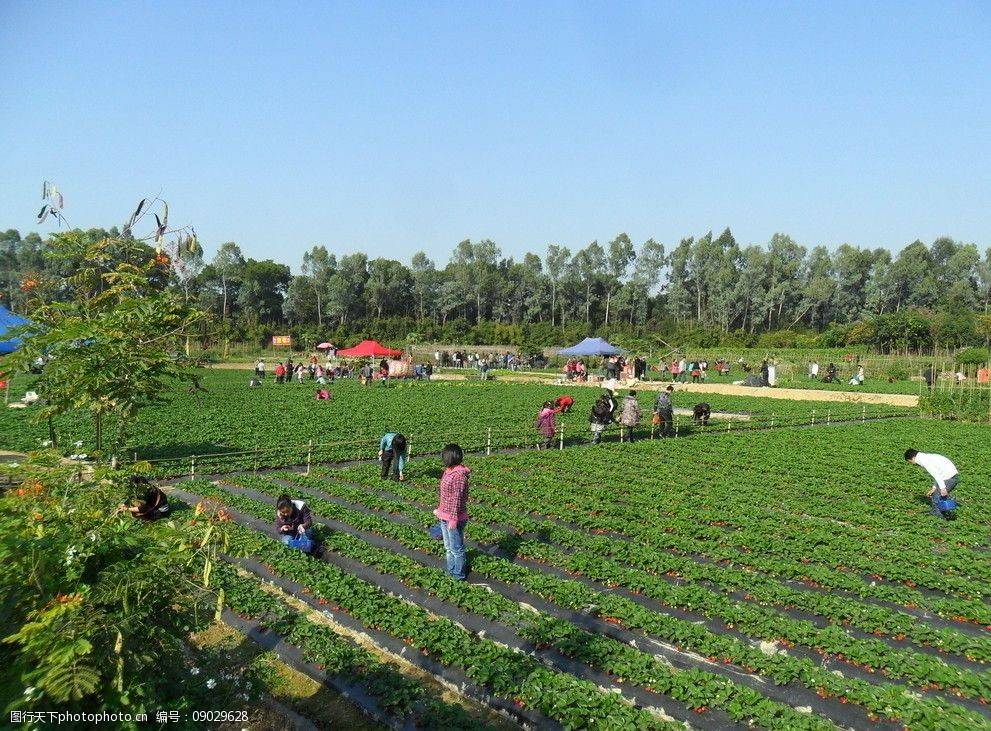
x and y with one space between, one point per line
787 578
278 423
776 568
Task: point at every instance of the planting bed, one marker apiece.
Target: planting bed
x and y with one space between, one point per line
282 420
781 579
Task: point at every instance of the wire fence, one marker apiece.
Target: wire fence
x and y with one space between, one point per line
489 440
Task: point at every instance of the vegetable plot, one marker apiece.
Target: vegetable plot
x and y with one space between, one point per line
282 420
783 579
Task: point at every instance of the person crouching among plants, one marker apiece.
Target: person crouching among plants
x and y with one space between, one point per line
452 510
546 424
292 519
154 504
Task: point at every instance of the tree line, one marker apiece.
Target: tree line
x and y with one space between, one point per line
706 290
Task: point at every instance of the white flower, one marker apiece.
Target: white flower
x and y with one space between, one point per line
92 537
211 684
29 690
79 443
194 671
46 443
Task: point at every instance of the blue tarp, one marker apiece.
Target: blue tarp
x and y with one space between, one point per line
592 346
8 320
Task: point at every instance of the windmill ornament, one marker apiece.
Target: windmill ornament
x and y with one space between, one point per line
52 203
171 252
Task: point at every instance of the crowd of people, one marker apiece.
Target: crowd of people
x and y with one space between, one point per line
477 361
313 370
327 373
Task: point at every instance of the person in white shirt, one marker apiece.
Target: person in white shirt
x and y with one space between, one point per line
943 471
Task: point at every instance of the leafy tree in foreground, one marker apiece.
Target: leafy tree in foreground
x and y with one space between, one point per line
111 332
97 606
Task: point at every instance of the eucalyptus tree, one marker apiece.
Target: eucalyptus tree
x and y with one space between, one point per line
475 268
229 264
589 266
318 268
425 283
556 261
346 289
647 270
818 288
388 288
679 298
911 278
621 255
750 290
784 260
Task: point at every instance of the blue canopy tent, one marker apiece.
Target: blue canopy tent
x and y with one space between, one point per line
592 346
9 320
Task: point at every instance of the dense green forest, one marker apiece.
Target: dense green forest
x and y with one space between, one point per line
705 291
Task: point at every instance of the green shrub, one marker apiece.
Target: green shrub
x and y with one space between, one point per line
972 356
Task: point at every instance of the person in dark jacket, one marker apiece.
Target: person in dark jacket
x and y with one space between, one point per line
600 418
701 413
292 519
664 410
153 506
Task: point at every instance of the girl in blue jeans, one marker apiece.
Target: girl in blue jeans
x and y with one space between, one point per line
452 510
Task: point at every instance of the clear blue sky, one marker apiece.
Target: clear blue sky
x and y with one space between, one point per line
391 127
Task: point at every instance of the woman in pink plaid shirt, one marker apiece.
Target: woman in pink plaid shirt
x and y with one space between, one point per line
453 509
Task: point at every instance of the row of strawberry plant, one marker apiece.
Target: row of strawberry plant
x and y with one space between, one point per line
397 694
680 535
702 538
697 689
745 617
778 526
870 618
574 595
506 673
752 537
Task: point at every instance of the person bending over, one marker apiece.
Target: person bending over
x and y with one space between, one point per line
393 455
943 472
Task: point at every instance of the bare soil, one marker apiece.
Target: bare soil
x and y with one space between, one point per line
726 389
790 394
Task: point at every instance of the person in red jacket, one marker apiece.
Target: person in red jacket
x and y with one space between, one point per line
563 404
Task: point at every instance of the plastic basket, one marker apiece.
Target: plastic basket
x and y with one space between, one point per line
946 503
303 543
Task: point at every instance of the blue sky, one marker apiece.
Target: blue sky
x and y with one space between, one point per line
391 128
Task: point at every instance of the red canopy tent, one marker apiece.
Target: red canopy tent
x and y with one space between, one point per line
368 348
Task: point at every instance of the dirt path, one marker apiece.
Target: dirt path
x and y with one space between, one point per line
726 389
